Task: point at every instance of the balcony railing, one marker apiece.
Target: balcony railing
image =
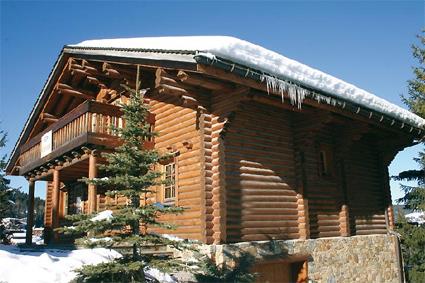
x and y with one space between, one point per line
90 122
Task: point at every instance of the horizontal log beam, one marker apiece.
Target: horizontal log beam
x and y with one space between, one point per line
171 90
201 81
65 89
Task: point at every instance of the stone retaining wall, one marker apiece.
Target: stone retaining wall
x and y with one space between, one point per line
370 258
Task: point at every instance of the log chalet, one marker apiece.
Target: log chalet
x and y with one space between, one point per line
264 148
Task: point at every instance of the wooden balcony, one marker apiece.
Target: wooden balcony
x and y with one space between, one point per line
88 124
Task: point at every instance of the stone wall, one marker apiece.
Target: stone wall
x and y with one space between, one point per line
371 258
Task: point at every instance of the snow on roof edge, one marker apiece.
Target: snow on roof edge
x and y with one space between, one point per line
260 58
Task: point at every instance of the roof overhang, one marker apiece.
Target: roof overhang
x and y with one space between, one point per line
167 59
188 60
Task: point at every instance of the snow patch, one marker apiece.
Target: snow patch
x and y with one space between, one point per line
104 215
94 240
257 57
160 276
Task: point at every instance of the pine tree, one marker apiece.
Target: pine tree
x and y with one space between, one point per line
129 172
414 197
413 237
5 189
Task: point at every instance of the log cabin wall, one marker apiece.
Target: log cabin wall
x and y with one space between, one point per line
176 125
366 190
251 171
221 109
260 175
323 191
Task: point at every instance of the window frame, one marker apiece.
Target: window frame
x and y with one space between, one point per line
173 200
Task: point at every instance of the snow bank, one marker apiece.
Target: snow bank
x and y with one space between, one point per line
56 266
260 58
49 265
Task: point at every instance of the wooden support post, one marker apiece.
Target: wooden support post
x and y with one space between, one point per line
55 199
92 190
30 213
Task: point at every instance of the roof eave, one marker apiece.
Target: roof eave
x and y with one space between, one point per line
319 95
173 59
34 112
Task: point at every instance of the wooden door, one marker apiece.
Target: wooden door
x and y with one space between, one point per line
281 272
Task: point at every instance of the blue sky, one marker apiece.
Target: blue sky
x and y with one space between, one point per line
366 43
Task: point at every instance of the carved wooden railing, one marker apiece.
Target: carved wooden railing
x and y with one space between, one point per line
90 117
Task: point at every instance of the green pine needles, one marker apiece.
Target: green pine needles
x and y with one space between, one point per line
129 171
5 190
412 236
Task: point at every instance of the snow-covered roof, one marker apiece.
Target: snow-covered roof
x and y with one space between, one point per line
274 65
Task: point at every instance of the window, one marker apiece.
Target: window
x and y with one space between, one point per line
326 166
170 183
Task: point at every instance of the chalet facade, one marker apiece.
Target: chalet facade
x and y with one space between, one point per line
258 155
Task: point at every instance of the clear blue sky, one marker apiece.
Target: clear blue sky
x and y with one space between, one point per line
366 43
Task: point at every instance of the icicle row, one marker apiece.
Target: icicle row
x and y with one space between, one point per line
296 93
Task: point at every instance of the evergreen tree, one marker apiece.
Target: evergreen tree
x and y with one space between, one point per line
5 189
413 237
129 172
414 197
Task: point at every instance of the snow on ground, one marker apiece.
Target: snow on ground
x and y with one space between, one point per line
260 58
56 266
49 265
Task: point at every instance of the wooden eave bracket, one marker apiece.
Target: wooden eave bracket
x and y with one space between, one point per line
166 83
